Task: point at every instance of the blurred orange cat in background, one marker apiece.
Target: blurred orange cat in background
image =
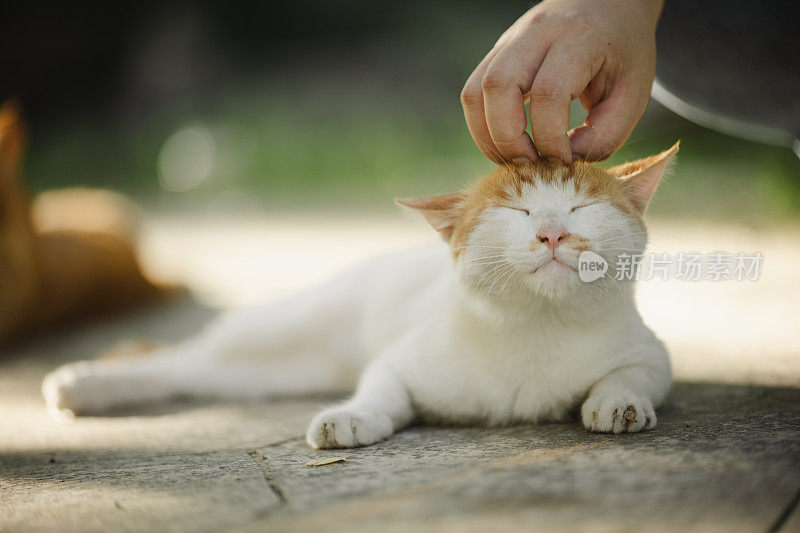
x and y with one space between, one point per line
68 254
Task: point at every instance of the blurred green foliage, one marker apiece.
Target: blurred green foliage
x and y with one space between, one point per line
292 154
353 128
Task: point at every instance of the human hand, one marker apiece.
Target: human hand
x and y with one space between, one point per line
601 51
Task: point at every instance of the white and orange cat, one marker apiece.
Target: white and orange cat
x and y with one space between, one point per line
496 328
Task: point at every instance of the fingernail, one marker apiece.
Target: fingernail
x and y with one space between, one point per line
521 161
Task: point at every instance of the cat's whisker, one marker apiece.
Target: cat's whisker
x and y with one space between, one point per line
487 253
483 266
511 275
494 282
509 269
478 262
493 270
650 233
481 259
478 246
662 234
615 238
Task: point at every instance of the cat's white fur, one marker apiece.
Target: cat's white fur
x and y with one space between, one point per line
483 340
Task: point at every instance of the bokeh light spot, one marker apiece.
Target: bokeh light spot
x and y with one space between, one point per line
186 159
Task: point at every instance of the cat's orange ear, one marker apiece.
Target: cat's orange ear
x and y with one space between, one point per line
441 212
641 178
13 134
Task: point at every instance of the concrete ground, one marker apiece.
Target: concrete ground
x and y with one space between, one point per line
725 456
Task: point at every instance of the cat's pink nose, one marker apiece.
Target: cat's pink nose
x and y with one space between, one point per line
552 236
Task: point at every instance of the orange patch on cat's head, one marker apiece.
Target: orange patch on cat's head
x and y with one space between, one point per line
628 187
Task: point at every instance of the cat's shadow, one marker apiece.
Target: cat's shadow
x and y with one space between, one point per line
187 405
158 323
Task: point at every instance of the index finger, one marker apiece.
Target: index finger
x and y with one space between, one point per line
561 78
505 84
474 114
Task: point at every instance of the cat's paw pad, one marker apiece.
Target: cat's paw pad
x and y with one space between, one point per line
622 413
345 428
74 389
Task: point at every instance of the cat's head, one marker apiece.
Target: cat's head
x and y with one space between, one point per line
518 233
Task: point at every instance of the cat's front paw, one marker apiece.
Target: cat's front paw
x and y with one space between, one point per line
618 413
75 389
341 427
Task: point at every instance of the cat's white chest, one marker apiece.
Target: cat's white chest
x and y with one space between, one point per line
499 380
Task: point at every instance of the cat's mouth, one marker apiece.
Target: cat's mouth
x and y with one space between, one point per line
554 265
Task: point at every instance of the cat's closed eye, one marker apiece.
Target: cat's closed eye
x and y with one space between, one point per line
520 209
575 208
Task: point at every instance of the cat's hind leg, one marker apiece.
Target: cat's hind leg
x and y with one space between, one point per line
186 370
98 386
307 344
